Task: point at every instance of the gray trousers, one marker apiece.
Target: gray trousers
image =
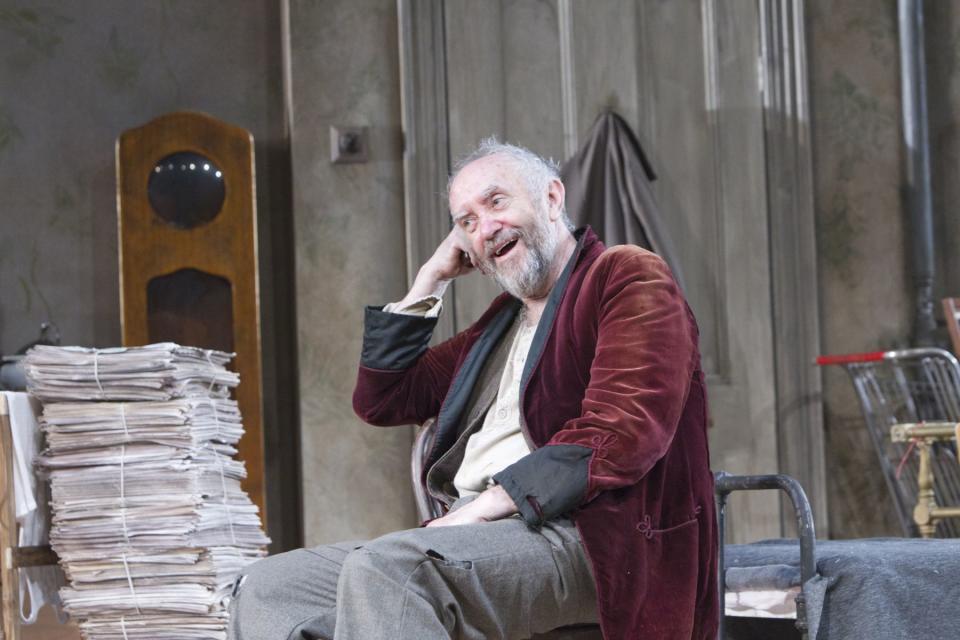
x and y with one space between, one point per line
496 580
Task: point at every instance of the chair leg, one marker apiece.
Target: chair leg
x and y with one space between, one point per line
926 501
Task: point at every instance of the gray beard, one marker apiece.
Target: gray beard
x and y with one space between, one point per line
529 279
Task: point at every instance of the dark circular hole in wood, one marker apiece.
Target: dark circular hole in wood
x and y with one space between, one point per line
186 189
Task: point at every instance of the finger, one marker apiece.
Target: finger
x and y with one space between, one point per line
457 241
466 261
465 257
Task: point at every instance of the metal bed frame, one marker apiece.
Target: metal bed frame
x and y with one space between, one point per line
727 484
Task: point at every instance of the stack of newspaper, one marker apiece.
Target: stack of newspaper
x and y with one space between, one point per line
149 520
160 371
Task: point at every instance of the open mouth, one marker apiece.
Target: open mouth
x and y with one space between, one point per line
505 248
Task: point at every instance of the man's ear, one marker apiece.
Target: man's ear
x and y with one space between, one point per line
555 196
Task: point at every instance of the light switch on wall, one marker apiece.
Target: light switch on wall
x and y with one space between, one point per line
348 144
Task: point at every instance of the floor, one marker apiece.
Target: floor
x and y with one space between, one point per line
48 628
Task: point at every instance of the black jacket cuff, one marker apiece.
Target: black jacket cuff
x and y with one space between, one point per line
393 341
548 482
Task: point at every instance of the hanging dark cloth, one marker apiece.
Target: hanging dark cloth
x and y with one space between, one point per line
608 187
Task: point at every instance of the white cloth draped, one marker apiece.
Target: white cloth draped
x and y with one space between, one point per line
38 585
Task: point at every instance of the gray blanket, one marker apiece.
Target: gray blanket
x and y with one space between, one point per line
873 589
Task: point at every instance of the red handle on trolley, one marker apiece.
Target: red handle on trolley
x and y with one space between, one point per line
850 358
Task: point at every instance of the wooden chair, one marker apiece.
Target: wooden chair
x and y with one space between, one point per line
12 556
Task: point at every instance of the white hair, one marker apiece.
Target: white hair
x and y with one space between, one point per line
538 172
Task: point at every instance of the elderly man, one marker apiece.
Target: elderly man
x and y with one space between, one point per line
570 443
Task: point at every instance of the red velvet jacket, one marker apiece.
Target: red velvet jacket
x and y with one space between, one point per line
613 400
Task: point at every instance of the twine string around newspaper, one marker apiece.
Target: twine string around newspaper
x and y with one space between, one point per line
126 532
223 486
133 592
123 495
123 421
123 628
213 370
216 417
96 372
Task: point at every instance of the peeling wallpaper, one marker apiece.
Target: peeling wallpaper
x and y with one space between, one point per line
860 235
37 28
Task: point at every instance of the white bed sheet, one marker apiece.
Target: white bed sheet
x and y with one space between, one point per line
767 603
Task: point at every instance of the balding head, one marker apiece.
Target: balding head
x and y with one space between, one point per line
537 172
507 207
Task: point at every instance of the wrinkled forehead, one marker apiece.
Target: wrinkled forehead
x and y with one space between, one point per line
475 181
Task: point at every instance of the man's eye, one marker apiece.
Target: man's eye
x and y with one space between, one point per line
467 224
498 200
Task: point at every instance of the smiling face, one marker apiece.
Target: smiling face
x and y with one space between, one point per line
513 235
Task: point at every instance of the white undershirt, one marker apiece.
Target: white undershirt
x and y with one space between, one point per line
499 442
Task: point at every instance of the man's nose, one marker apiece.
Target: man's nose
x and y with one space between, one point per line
489 226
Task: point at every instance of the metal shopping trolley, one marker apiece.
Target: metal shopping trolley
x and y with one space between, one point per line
911 404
